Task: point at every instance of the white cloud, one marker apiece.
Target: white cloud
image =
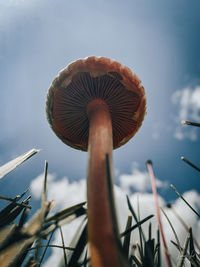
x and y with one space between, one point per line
138 181
188 104
66 194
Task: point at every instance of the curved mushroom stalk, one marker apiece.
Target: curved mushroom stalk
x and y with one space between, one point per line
100 225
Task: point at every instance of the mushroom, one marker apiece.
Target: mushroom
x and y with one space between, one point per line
97 104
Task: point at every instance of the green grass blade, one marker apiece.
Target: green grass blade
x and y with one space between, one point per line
136 225
46 247
122 259
111 197
127 237
79 242
136 260
172 186
158 249
149 253
11 165
141 234
63 243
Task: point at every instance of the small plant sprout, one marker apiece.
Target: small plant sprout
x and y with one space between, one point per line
97 105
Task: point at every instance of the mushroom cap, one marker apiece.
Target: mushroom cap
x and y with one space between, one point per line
87 79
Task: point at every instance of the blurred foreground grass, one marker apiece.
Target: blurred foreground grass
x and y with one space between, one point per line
24 242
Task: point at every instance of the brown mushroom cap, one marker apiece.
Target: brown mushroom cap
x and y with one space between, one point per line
88 79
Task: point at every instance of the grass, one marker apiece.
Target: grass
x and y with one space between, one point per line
25 242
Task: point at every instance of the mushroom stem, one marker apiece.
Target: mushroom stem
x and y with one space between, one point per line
100 227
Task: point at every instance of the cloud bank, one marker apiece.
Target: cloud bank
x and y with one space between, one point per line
66 194
188 105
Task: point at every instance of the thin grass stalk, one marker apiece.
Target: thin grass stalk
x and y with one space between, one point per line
192 249
185 226
136 225
190 163
45 250
63 243
158 245
172 186
173 230
136 260
44 192
140 228
13 200
153 184
191 123
195 262
150 230
53 246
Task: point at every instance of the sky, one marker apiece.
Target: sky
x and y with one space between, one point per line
158 40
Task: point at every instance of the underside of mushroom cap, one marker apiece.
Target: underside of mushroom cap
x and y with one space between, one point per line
87 79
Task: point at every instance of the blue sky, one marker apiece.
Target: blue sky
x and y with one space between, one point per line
158 40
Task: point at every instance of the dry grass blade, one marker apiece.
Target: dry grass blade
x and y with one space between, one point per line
13 254
16 203
126 243
23 217
44 192
185 226
172 186
11 165
12 215
4 212
173 230
192 249
191 164
76 210
34 226
183 252
153 183
6 235
52 246
195 262
191 123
